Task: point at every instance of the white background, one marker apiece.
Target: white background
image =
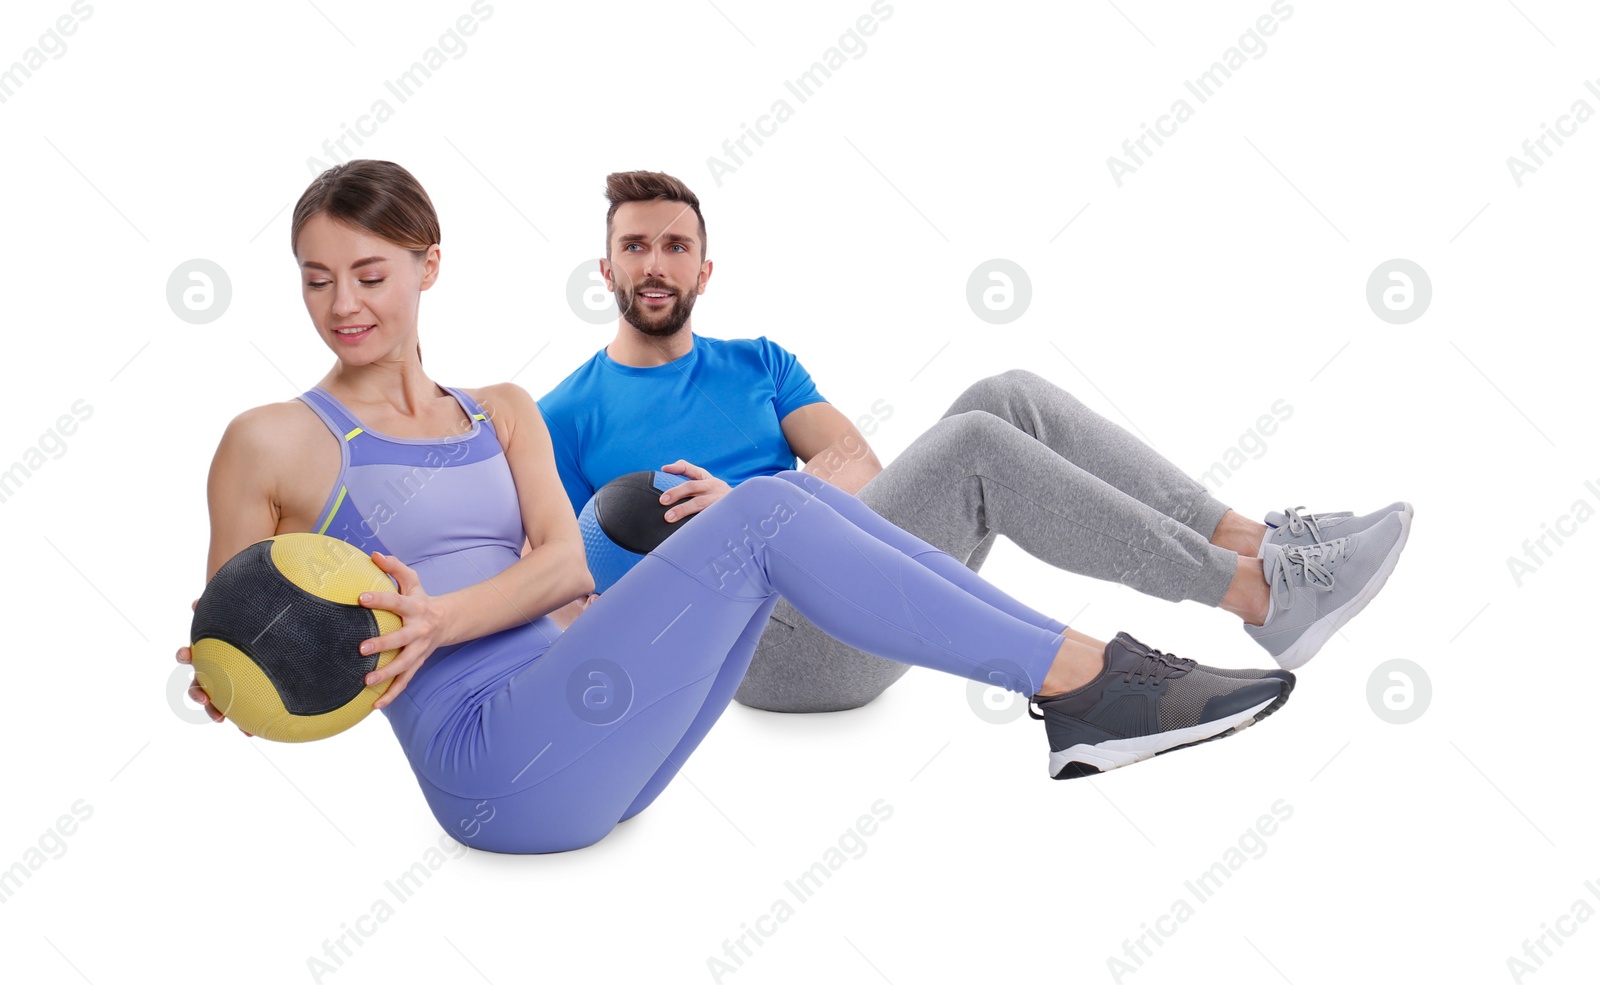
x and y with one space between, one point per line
1227 273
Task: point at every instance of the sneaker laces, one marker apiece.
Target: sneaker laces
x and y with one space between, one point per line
1308 564
1182 663
1299 523
1156 667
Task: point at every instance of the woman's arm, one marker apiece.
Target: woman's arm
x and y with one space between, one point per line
240 490
241 498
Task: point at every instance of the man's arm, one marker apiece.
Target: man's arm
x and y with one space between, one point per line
830 445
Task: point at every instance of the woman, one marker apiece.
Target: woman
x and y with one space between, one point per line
529 739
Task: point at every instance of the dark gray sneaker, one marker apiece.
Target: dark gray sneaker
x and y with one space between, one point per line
1237 673
1145 703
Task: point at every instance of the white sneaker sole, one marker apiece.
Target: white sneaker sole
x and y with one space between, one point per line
1114 753
1321 631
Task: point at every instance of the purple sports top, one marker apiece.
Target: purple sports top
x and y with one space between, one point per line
445 506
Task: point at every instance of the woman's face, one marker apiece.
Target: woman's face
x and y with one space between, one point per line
361 290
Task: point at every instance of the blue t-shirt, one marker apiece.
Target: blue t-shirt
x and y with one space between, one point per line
718 406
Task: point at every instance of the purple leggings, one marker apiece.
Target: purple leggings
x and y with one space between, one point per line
567 734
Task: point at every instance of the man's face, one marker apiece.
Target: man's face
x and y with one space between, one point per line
655 268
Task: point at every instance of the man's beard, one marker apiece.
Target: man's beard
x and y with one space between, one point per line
674 321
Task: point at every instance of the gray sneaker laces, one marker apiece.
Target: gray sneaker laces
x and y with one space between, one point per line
1299 523
1308 564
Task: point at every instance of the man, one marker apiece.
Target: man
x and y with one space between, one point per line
1013 455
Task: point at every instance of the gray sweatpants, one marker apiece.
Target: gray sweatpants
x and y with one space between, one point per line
1014 455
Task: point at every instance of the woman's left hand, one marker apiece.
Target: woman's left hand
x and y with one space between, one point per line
421 631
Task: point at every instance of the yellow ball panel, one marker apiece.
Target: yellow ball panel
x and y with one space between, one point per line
327 567
242 692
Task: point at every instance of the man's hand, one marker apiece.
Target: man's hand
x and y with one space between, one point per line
569 613
691 497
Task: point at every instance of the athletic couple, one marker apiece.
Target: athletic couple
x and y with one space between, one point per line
487 693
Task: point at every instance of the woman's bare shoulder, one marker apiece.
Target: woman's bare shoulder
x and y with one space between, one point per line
505 404
274 435
280 453
498 392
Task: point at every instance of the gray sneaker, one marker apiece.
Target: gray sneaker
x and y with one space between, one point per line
1316 588
1294 527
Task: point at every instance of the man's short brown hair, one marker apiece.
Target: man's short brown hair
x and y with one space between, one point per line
649 186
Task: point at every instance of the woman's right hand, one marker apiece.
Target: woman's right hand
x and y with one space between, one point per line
198 694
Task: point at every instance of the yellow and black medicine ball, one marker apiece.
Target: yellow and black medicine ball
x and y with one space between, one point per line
276 637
